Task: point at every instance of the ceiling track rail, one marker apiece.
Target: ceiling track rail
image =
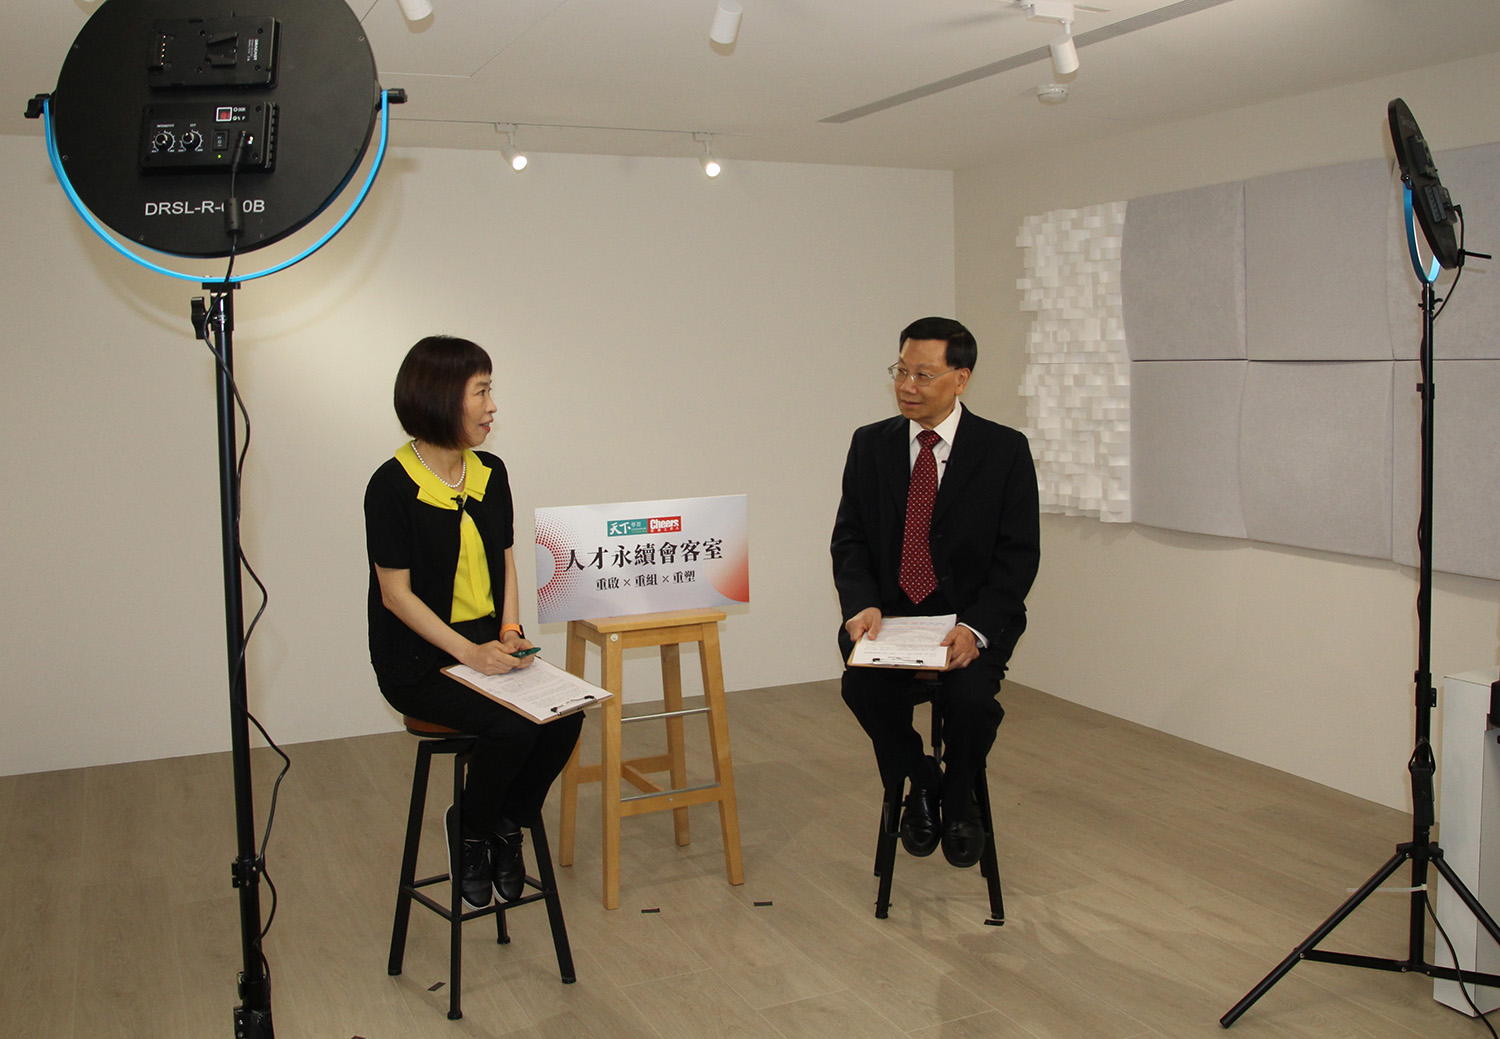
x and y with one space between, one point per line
1123 27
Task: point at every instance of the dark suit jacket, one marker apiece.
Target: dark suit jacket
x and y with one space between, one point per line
985 535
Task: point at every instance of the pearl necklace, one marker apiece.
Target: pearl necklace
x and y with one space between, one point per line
462 473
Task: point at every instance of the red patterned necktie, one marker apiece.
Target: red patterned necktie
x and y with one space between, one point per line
917 579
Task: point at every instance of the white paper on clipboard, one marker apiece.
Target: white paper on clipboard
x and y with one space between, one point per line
906 642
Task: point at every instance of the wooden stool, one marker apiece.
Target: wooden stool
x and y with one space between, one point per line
924 690
614 635
438 739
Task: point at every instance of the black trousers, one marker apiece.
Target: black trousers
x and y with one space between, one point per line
966 700
515 760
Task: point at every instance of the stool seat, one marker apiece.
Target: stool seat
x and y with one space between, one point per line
668 631
439 739
924 690
421 727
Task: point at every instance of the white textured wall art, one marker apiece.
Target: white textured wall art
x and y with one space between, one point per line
1077 378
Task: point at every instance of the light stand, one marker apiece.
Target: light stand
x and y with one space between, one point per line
252 1018
1435 210
138 137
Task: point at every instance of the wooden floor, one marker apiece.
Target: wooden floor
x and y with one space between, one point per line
1149 883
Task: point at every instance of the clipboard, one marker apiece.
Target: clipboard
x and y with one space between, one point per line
907 643
899 657
542 692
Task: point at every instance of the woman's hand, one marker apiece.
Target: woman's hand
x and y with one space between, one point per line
491 658
513 643
496 657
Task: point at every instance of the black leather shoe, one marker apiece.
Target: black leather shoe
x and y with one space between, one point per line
919 822
963 840
470 863
510 871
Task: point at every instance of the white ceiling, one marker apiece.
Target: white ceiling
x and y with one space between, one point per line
637 77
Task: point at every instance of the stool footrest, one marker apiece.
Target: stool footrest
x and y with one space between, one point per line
659 715
687 797
446 912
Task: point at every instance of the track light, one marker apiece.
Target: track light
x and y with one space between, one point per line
516 159
415 10
708 162
1064 51
726 24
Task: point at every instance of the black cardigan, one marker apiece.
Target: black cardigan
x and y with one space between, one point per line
402 533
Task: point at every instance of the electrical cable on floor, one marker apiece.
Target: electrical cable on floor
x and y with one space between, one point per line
1427 901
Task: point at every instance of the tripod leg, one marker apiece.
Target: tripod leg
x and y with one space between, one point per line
1485 920
1311 941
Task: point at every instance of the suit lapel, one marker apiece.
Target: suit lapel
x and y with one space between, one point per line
964 458
896 463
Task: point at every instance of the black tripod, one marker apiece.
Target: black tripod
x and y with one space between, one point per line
1422 851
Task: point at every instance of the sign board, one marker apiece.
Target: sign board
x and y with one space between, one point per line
641 557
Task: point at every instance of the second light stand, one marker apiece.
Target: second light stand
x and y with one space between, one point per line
1421 851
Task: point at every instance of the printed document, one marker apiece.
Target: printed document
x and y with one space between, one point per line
906 642
542 692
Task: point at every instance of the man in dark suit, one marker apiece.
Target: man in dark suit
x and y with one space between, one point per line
930 525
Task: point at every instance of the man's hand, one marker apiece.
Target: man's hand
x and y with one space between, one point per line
965 648
866 622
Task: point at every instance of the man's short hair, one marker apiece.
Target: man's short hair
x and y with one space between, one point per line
430 388
962 350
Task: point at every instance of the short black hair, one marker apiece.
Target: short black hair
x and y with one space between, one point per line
962 350
430 387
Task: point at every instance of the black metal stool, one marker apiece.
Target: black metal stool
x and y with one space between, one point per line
436 739
924 690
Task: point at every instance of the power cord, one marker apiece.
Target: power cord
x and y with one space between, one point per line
204 319
209 316
1482 1015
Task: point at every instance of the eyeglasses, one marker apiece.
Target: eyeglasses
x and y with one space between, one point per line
899 375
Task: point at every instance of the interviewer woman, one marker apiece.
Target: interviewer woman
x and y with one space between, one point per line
439 534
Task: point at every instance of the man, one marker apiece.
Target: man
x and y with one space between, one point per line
974 556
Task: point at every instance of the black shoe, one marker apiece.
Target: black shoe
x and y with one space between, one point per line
510 871
919 822
470 863
963 839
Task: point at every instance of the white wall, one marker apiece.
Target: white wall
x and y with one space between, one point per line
655 335
1297 659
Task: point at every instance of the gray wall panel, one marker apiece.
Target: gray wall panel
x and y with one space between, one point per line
1183 275
1315 264
1315 456
1184 467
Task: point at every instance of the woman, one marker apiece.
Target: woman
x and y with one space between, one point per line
439 533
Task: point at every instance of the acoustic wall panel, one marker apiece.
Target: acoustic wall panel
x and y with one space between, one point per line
1077 377
1315 456
1183 273
1261 398
1470 323
1466 466
1184 464
1315 264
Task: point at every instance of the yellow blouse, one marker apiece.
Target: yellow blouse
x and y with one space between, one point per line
472 595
